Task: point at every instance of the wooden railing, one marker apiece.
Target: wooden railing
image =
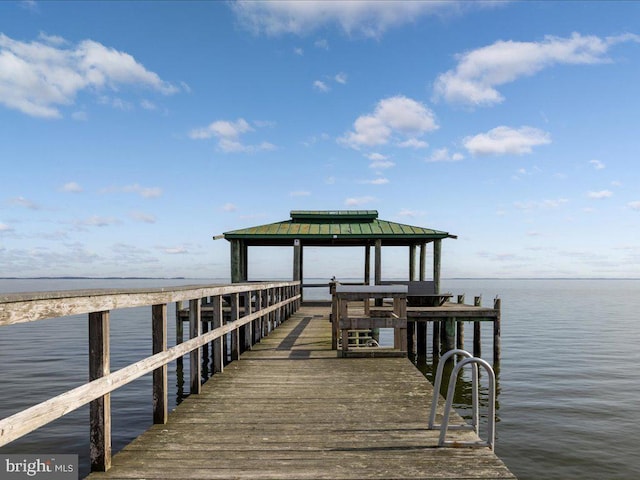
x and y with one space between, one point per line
262 307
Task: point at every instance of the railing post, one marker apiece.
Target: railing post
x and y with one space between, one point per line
235 334
195 368
100 409
496 333
477 337
160 383
218 351
460 328
179 326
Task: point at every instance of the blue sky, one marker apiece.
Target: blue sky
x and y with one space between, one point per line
132 132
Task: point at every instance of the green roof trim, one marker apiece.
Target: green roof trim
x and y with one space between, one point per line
335 227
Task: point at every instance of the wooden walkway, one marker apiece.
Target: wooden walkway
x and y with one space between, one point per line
290 409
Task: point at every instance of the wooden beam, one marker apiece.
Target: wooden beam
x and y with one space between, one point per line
160 383
100 408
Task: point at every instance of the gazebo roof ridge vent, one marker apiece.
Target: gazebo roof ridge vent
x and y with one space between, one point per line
333 216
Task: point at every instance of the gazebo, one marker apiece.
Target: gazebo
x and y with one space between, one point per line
338 228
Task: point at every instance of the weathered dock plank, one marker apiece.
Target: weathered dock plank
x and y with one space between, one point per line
290 409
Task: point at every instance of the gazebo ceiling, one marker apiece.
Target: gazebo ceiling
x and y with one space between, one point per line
335 228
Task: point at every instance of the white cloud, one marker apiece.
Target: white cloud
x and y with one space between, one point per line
5 228
600 194
368 18
146 192
544 204
382 164
443 155
179 250
321 86
597 164
356 201
397 114
39 77
377 181
98 221
413 143
228 133
322 43
298 51
80 116
341 78
142 217
229 207
480 71
148 105
506 140
71 187
405 212
25 203
634 205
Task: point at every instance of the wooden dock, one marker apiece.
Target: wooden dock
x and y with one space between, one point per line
291 409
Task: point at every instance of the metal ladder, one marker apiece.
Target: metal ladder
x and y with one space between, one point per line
491 414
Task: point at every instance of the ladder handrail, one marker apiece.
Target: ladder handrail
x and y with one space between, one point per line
436 391
491 407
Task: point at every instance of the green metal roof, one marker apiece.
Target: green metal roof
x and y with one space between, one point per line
335 227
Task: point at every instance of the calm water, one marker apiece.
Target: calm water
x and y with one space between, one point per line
569 383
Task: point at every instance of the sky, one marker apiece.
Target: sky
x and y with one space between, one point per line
131 133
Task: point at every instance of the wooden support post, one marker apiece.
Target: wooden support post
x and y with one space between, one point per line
496 333
218 351
378 268
400 334
245 262
421 340
449 334
257 324
423 261
367 264
297 260
179 327
437 258
195 358
248 328
235 337
343 313
412 337
99 409
436 339
460 328
160 382
477 338
236 261
412 262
